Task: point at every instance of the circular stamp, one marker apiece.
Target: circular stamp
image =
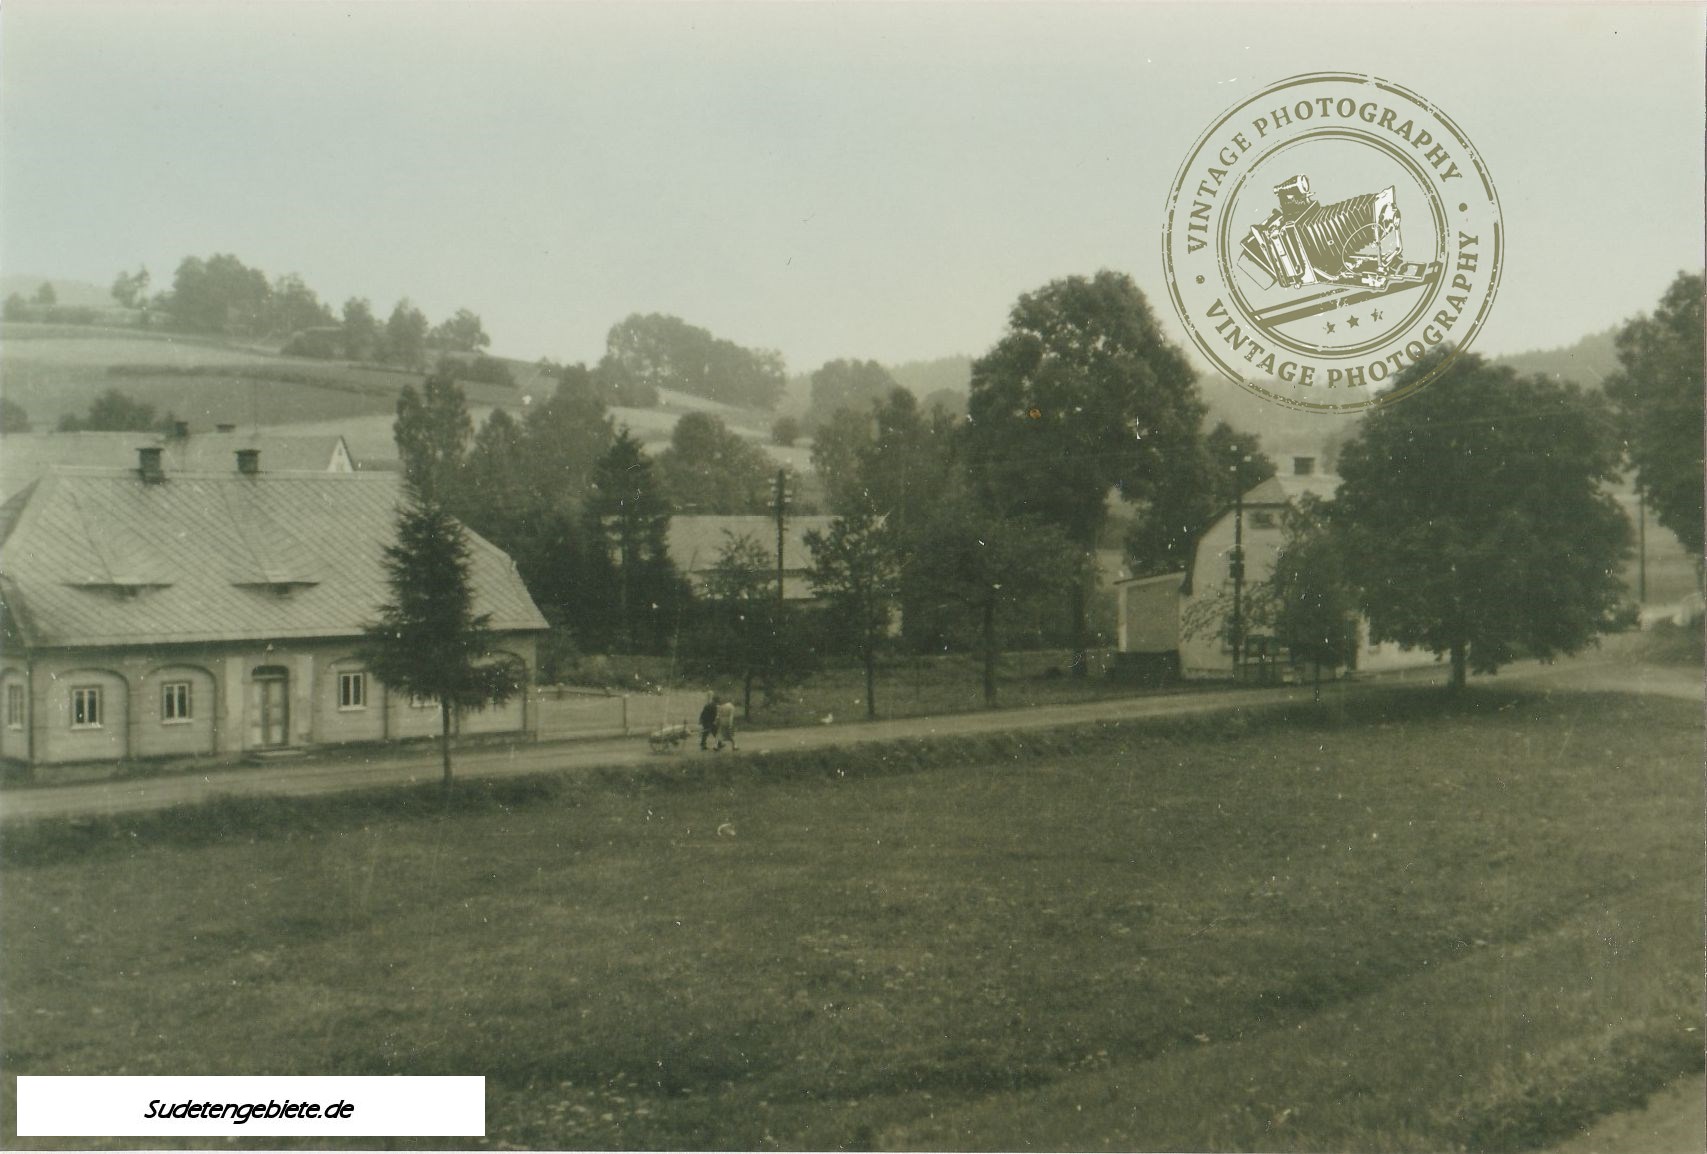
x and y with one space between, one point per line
1326 234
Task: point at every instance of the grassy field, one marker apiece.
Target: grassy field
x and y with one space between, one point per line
54 370
1413 926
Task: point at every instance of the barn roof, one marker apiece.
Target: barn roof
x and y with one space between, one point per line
98 557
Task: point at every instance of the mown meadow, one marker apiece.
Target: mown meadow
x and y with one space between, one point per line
1400 923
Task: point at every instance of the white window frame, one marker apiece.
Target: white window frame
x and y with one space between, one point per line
177 703
86 701
14 706
352 691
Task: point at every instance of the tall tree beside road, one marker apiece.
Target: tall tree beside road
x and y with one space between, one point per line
856 570
973 567
1307 603
1082 394
744 630
428 641
432 431
1659 394
1474 519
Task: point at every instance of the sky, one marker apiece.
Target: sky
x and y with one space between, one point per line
832 179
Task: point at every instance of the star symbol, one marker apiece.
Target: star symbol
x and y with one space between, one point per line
1330 326
1376 315
1351 321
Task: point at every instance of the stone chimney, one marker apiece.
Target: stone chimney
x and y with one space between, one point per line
249 462
148 465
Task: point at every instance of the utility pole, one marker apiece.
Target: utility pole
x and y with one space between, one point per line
1641 548
781 504
1236 569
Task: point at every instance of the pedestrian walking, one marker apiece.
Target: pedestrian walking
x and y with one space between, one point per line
708 719
726 723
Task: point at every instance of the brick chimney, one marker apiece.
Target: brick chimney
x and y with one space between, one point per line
249 462
148 465
1303 466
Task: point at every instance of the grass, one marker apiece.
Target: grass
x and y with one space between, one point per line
54 371
1418 925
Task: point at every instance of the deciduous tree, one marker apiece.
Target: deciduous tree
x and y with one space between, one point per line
856 570
432 431
112 412
1307 604
847 384
1082 394
648 352
710 469
406 335
1659 392
977 565
1475 520
361 329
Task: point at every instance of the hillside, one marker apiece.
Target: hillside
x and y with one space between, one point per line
1587 362
57 370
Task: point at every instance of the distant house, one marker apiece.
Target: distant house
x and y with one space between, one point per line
696 543
27 456
157 614
1175 623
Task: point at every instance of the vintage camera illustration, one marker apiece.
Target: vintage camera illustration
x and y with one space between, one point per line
1356 241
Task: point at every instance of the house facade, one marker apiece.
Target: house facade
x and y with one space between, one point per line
1179 620
149 614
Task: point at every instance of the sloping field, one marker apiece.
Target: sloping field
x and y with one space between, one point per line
54 370
1431 927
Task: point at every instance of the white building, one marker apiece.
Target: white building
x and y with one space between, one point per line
1176 623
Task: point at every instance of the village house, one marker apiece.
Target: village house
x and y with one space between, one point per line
149 614
1175 624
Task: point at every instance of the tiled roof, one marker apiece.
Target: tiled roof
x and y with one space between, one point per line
697 542
26 456
97 557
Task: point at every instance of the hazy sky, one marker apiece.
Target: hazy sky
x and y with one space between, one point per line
827 179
